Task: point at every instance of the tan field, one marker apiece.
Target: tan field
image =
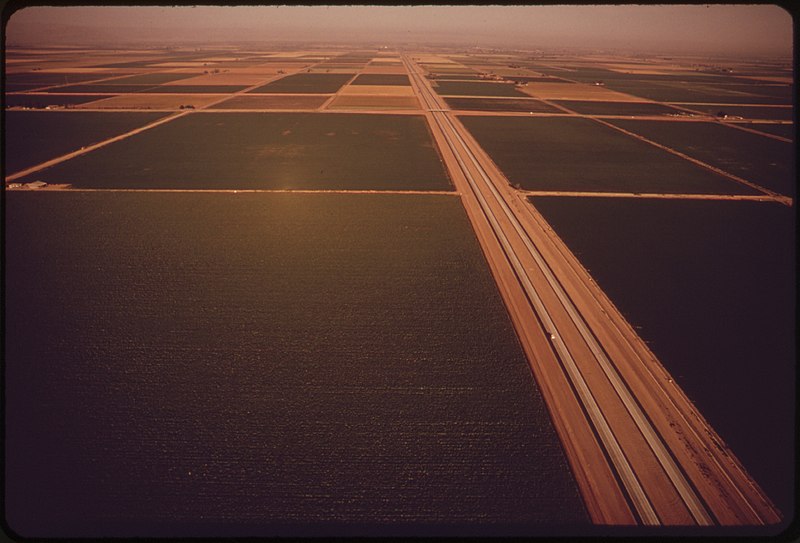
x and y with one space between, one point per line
433 59
575 91
374 102
382 90
270 67
383 69
666 69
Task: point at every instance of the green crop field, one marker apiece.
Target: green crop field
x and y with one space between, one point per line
148 79
775 93
33 137
470 88
314 83
269 101
268 151
784 130
40 79
747 112
99 88
680 91
200 89
711 286
283 360
454 77
758 159
501 104
44 100
573 154
591 107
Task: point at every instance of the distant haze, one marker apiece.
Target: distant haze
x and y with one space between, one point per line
751 30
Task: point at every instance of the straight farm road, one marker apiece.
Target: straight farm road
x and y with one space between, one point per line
639 450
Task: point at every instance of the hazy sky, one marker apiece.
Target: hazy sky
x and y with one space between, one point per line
735 29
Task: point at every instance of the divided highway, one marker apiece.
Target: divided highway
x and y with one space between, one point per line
639 450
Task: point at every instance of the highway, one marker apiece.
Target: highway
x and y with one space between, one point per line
639 450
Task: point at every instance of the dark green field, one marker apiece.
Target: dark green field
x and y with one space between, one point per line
574 154
538 79
469 88
586 74
381 79
266 364
782 93
591 107
20 87
33 137
759 159
446 68
100 88
712 286
747 112
200 89
679 91
784 130
306 83
151 79
268 101
266 151
454 77
44 100
500 104
41 79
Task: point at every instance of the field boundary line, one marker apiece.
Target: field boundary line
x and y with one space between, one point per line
237 191
328 102
668 196
120 137
90 148
754 131
785 200
41 90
